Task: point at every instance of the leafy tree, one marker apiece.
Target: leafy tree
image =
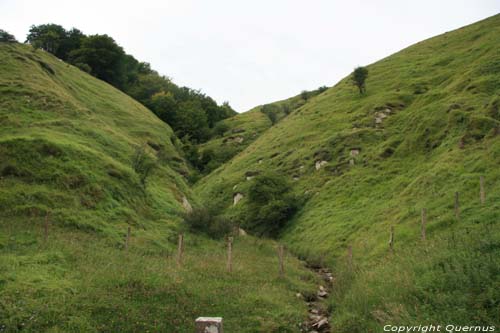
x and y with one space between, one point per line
164 106
359 77
105 58
54 39
6 37
48 37
190 119
271 204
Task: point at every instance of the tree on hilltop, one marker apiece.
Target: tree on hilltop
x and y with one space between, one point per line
6 37
359 77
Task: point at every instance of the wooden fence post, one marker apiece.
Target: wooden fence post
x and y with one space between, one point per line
349 257
423 222
180 249
46 227
127 238
457 206
230 254
391 239
482 194
281 255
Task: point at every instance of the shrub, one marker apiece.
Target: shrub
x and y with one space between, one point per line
220 128
6 37
271 204
271 111
202 220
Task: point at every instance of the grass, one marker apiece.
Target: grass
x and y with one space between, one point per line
79 282
440 136
68 143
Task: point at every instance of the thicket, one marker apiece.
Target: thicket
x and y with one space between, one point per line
271 204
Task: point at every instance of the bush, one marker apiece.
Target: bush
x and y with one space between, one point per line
220 128
271 111
6 37
202 220
271 204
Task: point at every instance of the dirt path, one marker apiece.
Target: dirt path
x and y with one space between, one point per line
318 313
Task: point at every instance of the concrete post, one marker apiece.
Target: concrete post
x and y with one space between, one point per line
209 325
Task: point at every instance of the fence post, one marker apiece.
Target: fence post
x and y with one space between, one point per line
230 254
127 238
46 227
457 206
482 194
391 239
349 257
180 249
424 221
281 255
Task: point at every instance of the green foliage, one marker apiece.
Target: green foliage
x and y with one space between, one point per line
220 128
5 37
205 221
359 78
55 39
271 111
103 56
189 112
271 204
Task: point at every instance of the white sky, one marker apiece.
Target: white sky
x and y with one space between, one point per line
255 51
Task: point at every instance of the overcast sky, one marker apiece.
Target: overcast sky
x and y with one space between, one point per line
255 51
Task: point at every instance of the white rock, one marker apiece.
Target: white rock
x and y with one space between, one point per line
319 164
237 197
187 206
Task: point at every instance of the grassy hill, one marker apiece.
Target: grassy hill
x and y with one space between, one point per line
427 127
98 162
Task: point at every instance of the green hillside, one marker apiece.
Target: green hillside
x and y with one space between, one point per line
427 127
238 132
93 162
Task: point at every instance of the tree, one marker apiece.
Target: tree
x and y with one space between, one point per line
105 58
164 106
6 37
359 77
271 204
48 37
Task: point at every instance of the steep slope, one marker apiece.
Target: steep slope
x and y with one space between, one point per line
76 153
75 144
427 127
